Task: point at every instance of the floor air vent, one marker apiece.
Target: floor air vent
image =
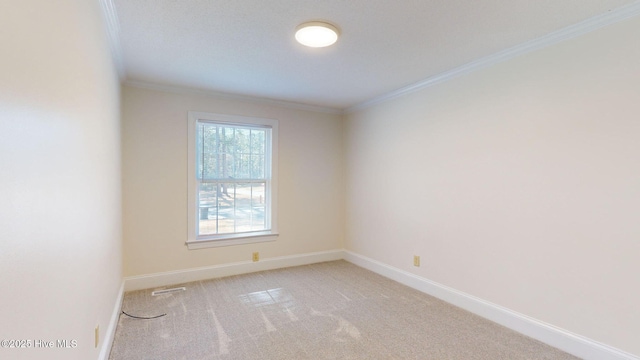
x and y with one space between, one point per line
166 291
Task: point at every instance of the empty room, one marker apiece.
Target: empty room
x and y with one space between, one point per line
208 179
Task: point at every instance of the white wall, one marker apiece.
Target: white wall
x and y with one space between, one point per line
518 184
60 207
310 207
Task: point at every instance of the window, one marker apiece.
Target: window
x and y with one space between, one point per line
232 180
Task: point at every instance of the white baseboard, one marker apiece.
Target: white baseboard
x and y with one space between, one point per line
113 323
209 272
574 344
559 338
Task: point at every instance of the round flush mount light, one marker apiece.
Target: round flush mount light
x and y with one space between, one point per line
316 34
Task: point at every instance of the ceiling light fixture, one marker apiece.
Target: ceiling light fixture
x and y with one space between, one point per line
316 34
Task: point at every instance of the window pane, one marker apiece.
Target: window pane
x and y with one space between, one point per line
226 208
257 167
258 200
231 207
207 151
243 166
249 207
209 166
226 167
207 199
258 141
242 151
243 141
227 152
243 208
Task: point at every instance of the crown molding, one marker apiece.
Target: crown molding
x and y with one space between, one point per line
112 28
229 96
570 32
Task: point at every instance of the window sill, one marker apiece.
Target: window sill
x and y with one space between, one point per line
231 240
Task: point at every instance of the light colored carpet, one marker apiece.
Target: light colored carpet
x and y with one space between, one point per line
332 310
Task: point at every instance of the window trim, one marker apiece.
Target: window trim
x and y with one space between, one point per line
192 209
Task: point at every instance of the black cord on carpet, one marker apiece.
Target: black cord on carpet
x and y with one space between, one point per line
143 317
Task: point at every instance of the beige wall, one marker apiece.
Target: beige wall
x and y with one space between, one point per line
518 184
154 132
60 207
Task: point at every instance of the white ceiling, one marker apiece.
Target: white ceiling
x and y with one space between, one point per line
246 47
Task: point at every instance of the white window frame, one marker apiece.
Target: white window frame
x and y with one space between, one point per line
207 241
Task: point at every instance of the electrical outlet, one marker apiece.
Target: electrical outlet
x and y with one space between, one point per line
256 256
416 260
97 335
